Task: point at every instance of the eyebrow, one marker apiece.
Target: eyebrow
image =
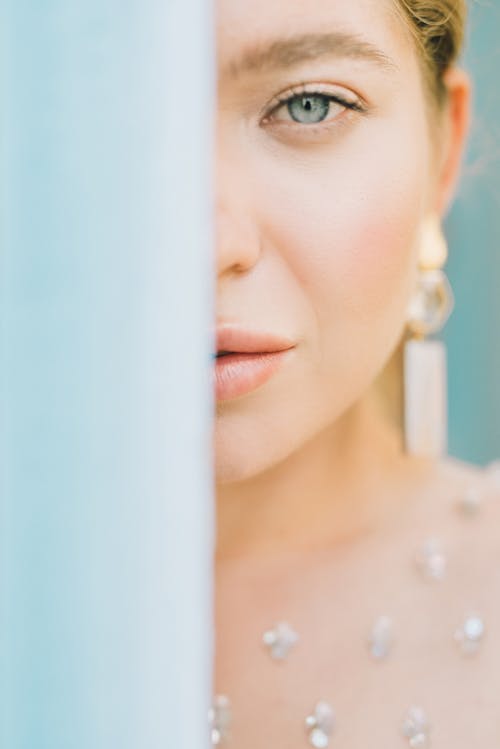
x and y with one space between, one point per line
288 52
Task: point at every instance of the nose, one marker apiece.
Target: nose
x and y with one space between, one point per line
237 240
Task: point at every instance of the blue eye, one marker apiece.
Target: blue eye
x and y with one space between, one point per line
308 108
311 107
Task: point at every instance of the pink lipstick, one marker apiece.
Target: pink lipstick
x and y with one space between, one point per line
246 359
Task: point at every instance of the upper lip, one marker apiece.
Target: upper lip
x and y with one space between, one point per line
238 339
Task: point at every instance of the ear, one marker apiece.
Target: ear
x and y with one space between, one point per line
456 123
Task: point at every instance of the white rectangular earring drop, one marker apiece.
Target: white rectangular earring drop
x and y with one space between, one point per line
425 360
425 398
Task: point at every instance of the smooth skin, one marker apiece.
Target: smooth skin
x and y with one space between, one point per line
320 209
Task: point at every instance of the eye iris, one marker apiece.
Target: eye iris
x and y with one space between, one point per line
315 108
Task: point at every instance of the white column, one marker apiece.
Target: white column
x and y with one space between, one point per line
106 531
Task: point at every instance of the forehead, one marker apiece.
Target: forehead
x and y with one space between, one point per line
246 27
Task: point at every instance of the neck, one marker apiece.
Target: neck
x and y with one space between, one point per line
338 486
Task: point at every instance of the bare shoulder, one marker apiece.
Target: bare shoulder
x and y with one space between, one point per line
473 528
474 492
465 470
467 601
460 501
469 513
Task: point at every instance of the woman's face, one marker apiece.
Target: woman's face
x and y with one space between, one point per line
319 206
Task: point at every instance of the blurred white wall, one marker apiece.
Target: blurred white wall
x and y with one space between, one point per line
106 529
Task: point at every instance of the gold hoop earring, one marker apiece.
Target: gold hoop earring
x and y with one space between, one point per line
425 360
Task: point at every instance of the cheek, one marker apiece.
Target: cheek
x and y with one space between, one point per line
346 229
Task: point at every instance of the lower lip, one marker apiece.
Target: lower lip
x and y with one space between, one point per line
238 374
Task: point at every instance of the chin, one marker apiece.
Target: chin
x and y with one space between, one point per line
237 462
246 447
242 452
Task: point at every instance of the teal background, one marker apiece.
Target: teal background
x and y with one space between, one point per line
473 229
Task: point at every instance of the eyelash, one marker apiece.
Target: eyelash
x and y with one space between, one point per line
289 96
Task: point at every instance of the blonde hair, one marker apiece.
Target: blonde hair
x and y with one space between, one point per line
438 28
